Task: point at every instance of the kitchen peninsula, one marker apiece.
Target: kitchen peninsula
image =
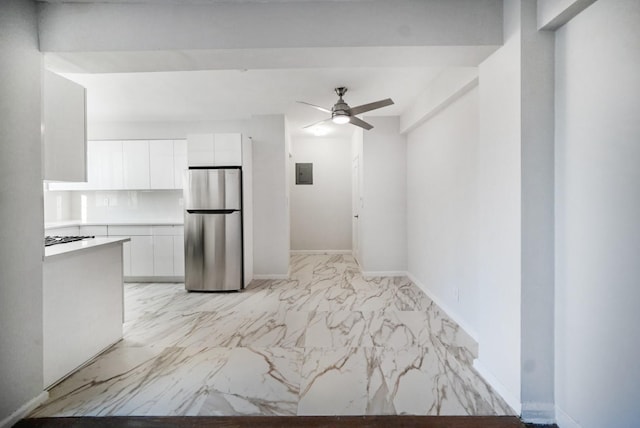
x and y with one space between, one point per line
82 303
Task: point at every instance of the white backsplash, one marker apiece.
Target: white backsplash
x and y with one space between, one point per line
58 207
114 206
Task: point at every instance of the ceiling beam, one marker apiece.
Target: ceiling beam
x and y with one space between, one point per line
102 27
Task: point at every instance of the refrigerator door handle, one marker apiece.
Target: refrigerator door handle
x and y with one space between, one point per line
211 211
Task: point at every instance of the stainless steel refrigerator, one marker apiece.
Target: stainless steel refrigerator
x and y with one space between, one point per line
213 229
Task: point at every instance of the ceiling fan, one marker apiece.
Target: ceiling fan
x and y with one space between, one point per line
341 112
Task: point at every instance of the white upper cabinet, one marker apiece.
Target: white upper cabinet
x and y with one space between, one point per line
65 132
135 156
161 167
105 165
179 162
214 149
154 164
200 150
227 149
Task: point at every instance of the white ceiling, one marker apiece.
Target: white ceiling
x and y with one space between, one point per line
232 84
235 94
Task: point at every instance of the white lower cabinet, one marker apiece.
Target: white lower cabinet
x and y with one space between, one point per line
142 256
126 258
163 256
154 251
178 251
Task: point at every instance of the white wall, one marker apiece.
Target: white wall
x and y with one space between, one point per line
442 208
499 213
321 213
270 192
21 207
383 215
537 218
597 212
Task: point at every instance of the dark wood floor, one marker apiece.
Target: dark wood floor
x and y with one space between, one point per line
278 421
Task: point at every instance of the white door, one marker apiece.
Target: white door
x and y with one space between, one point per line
355 209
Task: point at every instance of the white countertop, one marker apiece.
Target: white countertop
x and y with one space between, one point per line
85 244
68 223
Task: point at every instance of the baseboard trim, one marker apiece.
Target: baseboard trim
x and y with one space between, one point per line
488 376
450 312
539 413
170 279
270 276
565 421
373 274
24 410
305 252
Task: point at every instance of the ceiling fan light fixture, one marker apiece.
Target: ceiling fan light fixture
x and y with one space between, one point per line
341 113
340 118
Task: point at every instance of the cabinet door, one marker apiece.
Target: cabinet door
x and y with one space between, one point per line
161 164
163 255
228 150
124 232
179 162
142 256
135 155
105 165
65 130
178 255
200 150
126 258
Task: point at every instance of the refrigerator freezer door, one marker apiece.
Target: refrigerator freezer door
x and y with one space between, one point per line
213 251
212 189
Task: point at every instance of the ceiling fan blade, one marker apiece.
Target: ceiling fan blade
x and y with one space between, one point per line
315 106
371 106
317 123
361 123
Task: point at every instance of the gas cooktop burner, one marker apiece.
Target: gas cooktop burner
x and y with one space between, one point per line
53 240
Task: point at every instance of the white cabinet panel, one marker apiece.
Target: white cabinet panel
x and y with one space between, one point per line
161 164
162 230
135 155
130 230
141 255
80 317
93 230
65 130
105 163
163 255
179 162
200 150
178 255
227 150
126 258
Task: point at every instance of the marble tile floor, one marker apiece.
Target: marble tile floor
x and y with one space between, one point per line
325 342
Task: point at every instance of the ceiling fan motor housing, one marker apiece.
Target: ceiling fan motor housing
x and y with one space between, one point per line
340 112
